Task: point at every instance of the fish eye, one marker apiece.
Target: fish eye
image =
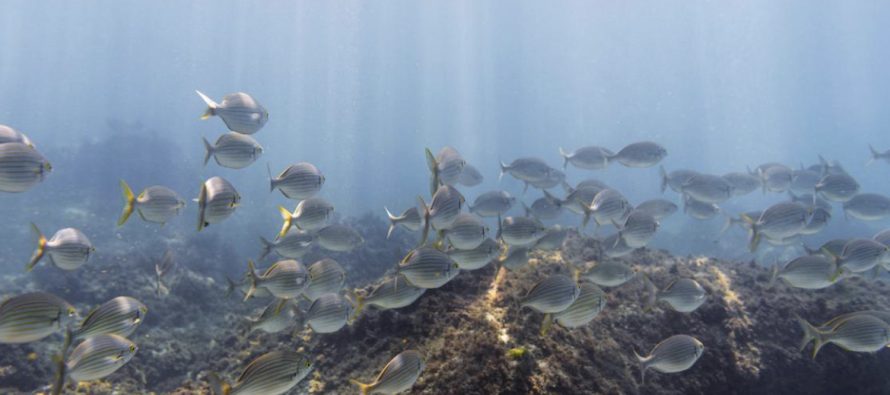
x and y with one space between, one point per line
308 364
132 348
72 312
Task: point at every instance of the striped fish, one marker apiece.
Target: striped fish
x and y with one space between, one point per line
398 375
470 176
592 183
466 232
216 202
808 272
554 178
445 168
707 188
163 268
683 295
544 208
804 180
883 237
492 203
520 231
476 258
325 276
275 317
10 135
638 229
298 181
639 155
590 157
410 219
779 221
310 214
293 245
240 112
861 255
742 183
607 205
839 187
615 247
515 258
394 293
674 354
526 169
553 238
675 179
609 274
233 150
32 316
338 238
578 200
775 177
868 207
590 302
658 208
552 294
21 167
99 356
285 279
156 204
329 312
442 211
857 333
272 373
428 268
699 210
810 334
68 249
119 316
832 248
817 222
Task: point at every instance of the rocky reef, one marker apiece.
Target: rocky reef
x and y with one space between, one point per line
475 337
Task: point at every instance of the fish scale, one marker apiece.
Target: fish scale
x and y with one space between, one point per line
808 272
398 375
428 268
674 354
32 316
476 258
328 313
325 276
590 302
217 201
99 356
394 293
298 181
552 294
21 167
860 255
521 231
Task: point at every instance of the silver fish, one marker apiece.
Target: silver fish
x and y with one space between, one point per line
578 200
68 249
642 154
410 219
515 258
552 239
858 333
293 245
21 167
99 356
325 276
775 177
394 293
476 258
233 150
240 112
638 229
33 316
779 221
877 155
329 313
275 317
868 207
837 187
743 183
804 180
428 268
861 255
339 238
699 210
466 232
397 376
119 316
492 204
609 274
832 248
554 178
10 135
285 279
216 202
520 231
657 208
883 237
684 295
607 206
446 167
156 204
298 181
590 157
674 354
675 179
810 334
442 211
807 272
545 208
590 302
470 176
592 183
707 188
615 247
310 214
527 170
818 221
273 373
552 294
809 200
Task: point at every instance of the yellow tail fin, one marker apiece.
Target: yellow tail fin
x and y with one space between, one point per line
252 276
364 388
129 203
41 248
211 105
288 221
547 324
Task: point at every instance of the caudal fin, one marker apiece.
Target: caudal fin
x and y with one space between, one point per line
664 178
810 333
268 246
41 248
774 274
546 324
643 362
565 158
129 203
364 388
253 277
359 305
425 214
392 222
874 155
504 168
211 105
208 150
217 385
288 221
271 179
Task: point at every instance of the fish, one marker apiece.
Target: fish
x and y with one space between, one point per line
492 203
329 313
21 167
675 179
548 207
475 258
426 267
520 231
883 237
443 210
552 294
828 326
868 207
527 170
608 205
339 238
68 249
860 255
807 272
707 188
275 317
470 176
445 168
699 210
394 293
553 238
637 229
99 356
285 279
554 178
609 274
163 268
325 276
310 214
466 232
615 247
398 375
10 135
837 187
590 157
157 204
858 333
272 373
730 221
514 258
775 177
239 111
578 200
672 355
810 200
657 208
592 183
590 302
233 150
743 183
298 181
817 222
779 221
684 295
216 202
409 219
293 245
804 180
877 155
640 155
32 316
119 316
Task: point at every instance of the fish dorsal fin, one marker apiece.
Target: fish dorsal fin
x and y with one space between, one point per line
270 269
89 317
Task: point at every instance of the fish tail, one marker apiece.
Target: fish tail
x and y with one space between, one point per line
434 171
565 158
364 388
129 203
211 105
271 179
217 385
41 248
774 274
587 212
359 305
267 248
202 198
231 286
208 150
254 279
504 168
644 364
546 324
288 221
810 333
664 178
726 225
874 155
425 214
392 222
